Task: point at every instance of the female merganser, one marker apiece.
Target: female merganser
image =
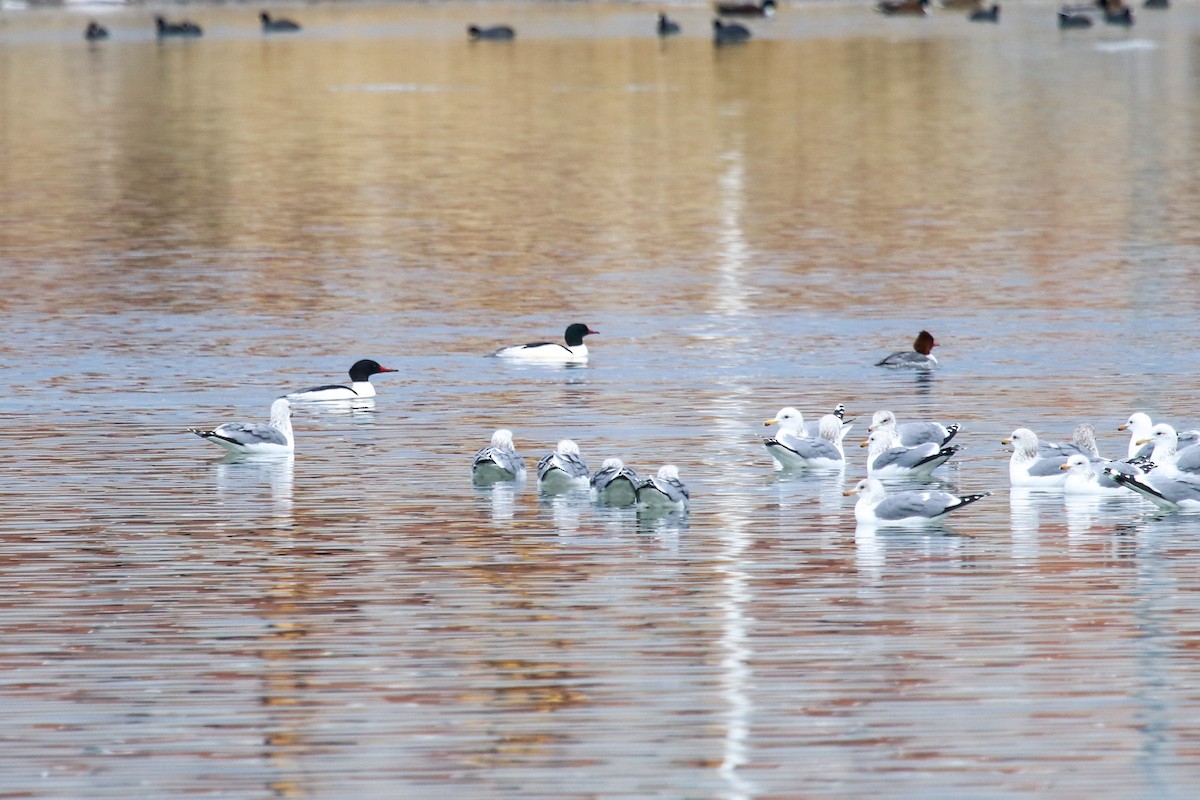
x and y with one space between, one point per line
664 490
499 461
254 438
359 388
563 469
917 358
906 508
573 352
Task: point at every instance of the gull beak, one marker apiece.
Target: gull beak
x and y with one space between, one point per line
865 444
1065 466
1143 441
1123 427
848 492
770 422
1006 440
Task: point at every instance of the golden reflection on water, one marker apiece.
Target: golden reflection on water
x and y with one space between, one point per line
200 209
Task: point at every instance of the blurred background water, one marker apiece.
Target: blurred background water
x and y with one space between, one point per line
191 228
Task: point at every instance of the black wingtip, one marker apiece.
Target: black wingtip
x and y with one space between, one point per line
951 432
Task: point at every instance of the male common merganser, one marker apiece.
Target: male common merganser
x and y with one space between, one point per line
664 490
564 469
360 385
888 457
254 438
917 358
499 461
764 9
615 484
875 505
573 352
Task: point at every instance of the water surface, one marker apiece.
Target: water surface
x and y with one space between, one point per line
192 228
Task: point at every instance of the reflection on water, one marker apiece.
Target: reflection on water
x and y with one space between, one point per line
191 228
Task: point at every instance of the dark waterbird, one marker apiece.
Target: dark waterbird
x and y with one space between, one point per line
496 33
95 32
270 25
985 14
1070 18
764 9
729 32
903 7
186 28
666 27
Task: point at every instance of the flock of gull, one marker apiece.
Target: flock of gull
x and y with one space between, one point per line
1161 464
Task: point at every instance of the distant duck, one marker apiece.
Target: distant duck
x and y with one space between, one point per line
615 484
254 438
564 469
574 351
177 29
903 7
729 32
496 33
1156 4
664 491
277 25
499 461
1068 18
764 9
666 27
1116 13
360 385
985 14
95 32
920 357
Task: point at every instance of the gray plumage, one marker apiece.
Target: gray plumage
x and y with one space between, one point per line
876 505
1170 494
886 457
615 484
911 434
564 468
664 489
1083 441
499 461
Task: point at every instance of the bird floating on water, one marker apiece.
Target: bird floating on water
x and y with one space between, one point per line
254 438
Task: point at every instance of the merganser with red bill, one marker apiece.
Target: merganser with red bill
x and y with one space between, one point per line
360 385
254 438
573 352
917 358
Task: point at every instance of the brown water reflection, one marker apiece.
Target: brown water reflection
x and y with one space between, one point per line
191 228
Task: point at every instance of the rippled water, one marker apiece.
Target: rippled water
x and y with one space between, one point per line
191 228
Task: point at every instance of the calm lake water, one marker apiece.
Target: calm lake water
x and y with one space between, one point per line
191 228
